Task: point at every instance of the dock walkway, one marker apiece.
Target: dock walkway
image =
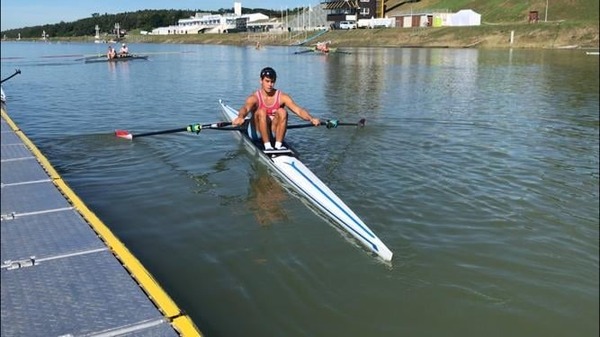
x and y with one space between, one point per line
63 272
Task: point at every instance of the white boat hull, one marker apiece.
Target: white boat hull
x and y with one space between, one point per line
301 179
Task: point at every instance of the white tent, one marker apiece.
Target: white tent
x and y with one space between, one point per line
465 17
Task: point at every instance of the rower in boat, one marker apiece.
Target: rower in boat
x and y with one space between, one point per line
124 51
323 46
269 115
111 53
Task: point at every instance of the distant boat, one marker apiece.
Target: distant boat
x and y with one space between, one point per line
333 50
118 59
574 46
592 53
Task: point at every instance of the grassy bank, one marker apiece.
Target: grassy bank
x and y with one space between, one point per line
540 35
546 35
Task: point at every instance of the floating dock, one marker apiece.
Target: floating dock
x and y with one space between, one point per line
63 271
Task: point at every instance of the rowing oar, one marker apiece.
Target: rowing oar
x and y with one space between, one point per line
304 51
190 128
91 57
17 72
330 123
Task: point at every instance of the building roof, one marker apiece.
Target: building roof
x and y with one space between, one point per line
339 4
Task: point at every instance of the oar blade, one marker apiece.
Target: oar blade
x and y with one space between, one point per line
362 122
123 134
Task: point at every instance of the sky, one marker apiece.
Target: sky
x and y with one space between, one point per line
26 13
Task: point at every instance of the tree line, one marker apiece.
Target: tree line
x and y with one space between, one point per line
142 20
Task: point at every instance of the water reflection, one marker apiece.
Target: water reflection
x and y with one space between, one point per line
367 78
115 68
112 66
357 79
265 197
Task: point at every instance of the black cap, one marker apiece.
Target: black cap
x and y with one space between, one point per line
268 72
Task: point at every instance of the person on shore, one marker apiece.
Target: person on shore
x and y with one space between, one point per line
124 51
111 53
269 115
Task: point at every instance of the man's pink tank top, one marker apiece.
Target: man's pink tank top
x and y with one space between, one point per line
272 108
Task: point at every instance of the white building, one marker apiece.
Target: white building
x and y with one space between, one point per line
465 17
212 23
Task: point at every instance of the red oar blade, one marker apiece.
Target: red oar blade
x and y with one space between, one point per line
123 134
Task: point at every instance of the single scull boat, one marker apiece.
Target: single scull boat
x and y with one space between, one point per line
287 165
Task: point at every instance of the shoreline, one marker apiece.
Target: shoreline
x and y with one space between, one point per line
548 35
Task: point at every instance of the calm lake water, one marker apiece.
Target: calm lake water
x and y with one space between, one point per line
479 169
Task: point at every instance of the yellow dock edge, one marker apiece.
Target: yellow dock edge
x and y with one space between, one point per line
178 319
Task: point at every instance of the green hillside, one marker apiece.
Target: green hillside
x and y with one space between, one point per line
510 11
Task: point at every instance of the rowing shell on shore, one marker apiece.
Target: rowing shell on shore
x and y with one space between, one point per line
285 164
